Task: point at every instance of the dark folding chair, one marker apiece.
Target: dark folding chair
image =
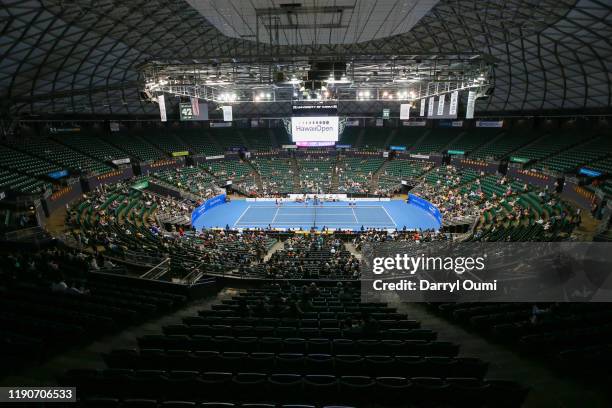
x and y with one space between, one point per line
343 346
357 388
213 385
260 362
294 345
318 346
289 363
181 384
176 360
139 403
270 345
321 388
468 392
393 390
349 364
430 390
319 364
377 366
233 360
249 386
285 387
178 404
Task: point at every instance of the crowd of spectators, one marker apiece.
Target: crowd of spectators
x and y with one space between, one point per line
312 256
192 179
62 270
446 194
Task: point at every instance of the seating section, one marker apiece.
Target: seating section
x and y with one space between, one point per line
227 137
572 336
402 169
200 142
408 136
193 179
355 173
473 138
241 173
316 173
92 145
311 258
553 142
128 220
281 135
254 349
9 180
38 319
375 138
585 154
166 140
57 153
134 145
20 170
351 135
276 174
436 140
258 139
506 144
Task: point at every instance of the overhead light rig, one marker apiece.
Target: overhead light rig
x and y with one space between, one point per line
358 78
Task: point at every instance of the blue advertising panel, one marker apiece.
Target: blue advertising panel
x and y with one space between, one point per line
427 206
589 173
398 148
58 174
207 205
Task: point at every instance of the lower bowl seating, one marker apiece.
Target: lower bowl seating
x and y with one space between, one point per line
234 356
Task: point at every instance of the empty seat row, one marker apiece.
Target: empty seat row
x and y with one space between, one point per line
233 312
303 332
298 345
148 403
317 322
295 388
372 365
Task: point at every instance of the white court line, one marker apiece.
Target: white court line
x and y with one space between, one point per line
302 214
241 215
384 224
354 215
328 207
275 214
389 215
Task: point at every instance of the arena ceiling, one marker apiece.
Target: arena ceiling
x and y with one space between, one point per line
81 56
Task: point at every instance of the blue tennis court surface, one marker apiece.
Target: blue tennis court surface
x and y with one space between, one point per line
329 216
338 215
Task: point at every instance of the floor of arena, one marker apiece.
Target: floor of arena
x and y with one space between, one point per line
395 214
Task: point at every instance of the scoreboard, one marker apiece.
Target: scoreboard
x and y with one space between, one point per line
187 111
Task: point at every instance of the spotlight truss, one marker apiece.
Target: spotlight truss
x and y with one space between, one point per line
361 78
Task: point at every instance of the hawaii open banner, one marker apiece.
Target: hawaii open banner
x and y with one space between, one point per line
404 111
162 108
469 114
430 110
227 113
453 103
441 105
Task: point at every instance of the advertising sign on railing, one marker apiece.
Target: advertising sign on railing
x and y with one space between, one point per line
207 205
427 206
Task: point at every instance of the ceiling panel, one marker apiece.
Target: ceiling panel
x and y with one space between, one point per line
62 56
